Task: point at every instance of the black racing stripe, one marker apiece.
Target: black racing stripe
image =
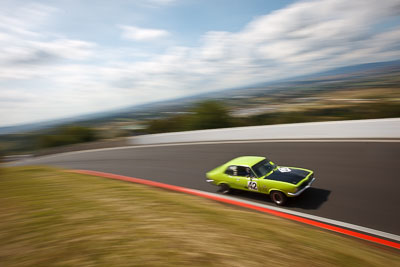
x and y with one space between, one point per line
293 177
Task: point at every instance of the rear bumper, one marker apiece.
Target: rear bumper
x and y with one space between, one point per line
302 190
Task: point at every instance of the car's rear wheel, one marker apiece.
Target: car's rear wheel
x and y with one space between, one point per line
224 188
278 198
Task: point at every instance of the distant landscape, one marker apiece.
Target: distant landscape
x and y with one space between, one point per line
357 92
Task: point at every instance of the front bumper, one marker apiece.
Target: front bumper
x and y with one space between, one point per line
302 190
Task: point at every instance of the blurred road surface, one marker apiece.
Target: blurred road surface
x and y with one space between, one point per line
357 182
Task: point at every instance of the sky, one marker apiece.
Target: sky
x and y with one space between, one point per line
62 58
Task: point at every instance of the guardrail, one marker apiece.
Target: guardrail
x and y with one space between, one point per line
352 129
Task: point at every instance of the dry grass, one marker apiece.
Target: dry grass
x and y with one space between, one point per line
53 218
364 93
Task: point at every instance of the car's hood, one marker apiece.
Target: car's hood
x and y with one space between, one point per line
288 174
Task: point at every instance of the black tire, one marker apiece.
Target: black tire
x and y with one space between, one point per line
224 189
278 198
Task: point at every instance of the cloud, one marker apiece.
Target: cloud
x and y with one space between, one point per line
24 20
26 51
162 2
155 3
141 34
56 76
21 52
311 27
302 38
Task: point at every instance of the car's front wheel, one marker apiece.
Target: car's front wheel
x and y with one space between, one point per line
278 198
224 188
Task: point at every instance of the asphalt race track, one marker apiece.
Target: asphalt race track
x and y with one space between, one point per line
357 182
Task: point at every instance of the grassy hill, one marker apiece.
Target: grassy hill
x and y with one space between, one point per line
53 218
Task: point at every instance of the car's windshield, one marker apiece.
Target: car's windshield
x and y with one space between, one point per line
263 167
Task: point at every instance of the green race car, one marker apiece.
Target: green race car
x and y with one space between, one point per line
261 175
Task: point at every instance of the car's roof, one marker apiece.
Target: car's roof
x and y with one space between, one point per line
245 160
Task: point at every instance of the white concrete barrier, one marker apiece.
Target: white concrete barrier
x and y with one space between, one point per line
360 129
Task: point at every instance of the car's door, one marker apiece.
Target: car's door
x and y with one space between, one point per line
243 178
236 176
231 176
252 182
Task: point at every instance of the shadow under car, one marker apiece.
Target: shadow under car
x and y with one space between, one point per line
311 199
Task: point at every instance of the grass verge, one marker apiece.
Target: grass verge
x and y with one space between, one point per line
54 218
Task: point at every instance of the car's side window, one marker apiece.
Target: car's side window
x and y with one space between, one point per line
231 170
252 174
242 171
246 172
239 171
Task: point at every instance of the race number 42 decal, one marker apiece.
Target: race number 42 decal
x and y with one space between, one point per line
252 185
